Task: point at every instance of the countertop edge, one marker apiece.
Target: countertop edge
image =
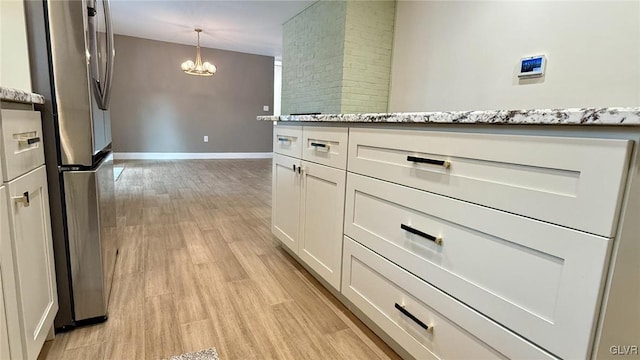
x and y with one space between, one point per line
21 96
617 116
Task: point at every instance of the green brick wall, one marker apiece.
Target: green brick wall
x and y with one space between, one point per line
337 57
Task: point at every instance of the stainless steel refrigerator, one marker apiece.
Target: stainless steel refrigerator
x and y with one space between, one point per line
71 57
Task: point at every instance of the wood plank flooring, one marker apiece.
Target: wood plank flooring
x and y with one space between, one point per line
199 268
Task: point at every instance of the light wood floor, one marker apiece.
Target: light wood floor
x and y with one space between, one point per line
199 268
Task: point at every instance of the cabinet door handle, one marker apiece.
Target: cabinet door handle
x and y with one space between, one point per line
284 139
435 239
294 167
444 163
406 313
24 199
29 140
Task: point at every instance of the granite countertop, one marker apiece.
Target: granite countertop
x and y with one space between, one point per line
15 95
585 116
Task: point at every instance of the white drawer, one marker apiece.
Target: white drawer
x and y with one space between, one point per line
375 286
575 182
22 149
287 140
540 280
325 145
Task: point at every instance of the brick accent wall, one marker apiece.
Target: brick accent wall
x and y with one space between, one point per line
367 59
337 57
313 53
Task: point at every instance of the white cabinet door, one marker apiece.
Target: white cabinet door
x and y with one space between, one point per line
9 325
4 335
321 220
285 201
33 258
4 237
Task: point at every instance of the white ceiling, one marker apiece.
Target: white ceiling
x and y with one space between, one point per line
246 26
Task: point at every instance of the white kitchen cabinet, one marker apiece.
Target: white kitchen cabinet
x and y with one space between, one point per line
325 145
426 322
4 333
285 201
308 213
479 244
431 236
4 238
287 140
28 204
321 219
10 339
548 178
20 136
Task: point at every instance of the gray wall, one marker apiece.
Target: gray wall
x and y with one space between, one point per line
155 107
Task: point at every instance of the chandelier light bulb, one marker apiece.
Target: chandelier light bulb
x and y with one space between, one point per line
188 65
209 67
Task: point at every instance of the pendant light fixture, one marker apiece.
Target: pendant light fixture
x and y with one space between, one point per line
198 68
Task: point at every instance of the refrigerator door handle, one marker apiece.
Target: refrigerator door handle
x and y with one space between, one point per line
111 54
93 51
102 89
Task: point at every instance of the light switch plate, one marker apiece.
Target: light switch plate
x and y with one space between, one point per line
206 138
265 108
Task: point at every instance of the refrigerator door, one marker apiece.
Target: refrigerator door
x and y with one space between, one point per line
81 59
93 245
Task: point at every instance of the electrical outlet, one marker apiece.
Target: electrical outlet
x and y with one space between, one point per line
206 138
265 108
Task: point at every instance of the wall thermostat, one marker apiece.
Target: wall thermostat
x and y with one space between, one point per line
532 66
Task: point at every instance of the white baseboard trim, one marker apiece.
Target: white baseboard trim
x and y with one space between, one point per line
182 156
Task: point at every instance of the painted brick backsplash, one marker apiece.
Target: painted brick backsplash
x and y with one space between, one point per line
337 57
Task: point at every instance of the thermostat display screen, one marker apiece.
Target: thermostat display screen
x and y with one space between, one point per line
531 65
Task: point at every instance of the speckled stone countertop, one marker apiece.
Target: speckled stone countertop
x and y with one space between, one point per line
15 95
586 116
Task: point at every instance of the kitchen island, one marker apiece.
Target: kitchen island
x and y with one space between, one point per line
472 234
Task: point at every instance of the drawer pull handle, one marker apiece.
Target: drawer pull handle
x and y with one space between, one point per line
284 139
435 239
29 140
24 199
445 163
406 313
320 146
